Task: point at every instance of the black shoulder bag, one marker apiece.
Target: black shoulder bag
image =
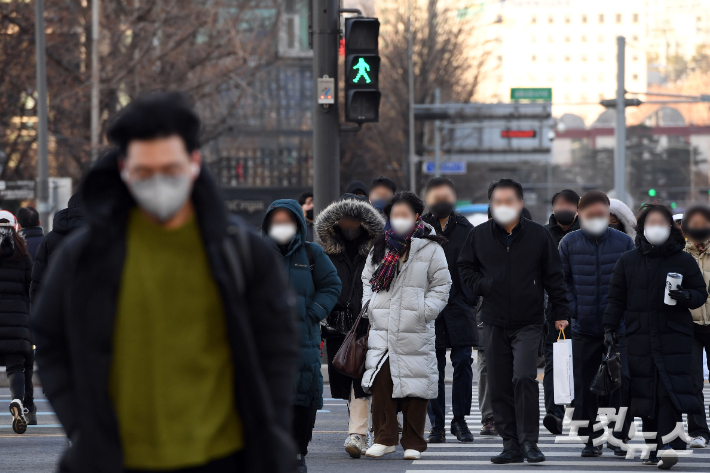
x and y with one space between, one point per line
339 322
608 377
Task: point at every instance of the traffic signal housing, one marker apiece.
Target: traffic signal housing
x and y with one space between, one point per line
362 70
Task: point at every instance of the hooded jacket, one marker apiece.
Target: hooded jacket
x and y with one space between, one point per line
65 221
456 325
73 324
588 263
658 336
701 315
349 271
316 291
15 335
402 320
33 237
621 211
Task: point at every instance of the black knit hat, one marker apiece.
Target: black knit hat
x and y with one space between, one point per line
567 194
703 209
593 197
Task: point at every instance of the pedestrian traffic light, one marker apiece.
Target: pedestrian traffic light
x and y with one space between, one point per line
362 70
652 192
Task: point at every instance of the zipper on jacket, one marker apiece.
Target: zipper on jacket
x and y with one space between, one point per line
598 294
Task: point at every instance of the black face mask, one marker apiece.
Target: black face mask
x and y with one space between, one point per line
309 214
617 226
442 209
698 234
565 217
351 233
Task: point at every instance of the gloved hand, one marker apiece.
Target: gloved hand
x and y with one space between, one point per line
679 294
610 339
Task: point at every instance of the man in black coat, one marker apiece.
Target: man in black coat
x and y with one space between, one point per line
456 324
563 221
30 229
157 189
511 261
65 221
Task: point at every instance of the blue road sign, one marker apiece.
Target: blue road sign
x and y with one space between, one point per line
446 167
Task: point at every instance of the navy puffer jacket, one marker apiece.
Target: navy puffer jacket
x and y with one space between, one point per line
588 263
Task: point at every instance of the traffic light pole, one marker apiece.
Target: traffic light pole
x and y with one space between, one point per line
620 129
326 118
42 127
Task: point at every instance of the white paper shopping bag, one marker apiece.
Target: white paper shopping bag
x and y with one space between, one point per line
562 371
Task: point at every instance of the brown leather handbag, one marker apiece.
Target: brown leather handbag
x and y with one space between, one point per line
350 358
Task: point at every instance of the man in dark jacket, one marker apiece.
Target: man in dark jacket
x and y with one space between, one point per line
160 277
65 221
562 221
511 261
305 200
456 324
588 258
30 229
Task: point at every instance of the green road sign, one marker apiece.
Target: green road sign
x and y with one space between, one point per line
544 94
362 69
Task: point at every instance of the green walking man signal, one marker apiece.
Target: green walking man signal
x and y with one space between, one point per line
362 69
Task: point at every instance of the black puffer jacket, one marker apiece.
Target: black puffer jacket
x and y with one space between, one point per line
349 259
65 222
456 324
15 336
658 336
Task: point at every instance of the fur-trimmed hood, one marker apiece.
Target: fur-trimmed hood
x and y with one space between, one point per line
370 219
625 216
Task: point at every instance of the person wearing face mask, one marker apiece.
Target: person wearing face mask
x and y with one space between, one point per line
562 221
696 228
622 218
382 190
511 261
456 324
406 281
164 329
347 229
659 336
305 200
315 281
588 258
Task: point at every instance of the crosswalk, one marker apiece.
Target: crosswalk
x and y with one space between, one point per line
454 456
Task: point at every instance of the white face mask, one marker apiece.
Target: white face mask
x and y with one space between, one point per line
159 195
402 226
657 235
594 226
503 215
282 233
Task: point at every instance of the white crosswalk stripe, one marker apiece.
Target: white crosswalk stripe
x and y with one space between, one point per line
454 456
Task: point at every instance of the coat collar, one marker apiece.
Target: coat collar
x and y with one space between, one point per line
370 219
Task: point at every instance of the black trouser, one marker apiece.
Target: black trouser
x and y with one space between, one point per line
29 388
461 390
511 359
665 418
232 464
548 383
587 355
304 419
697 423
15 368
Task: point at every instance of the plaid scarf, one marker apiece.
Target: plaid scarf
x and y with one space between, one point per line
396 248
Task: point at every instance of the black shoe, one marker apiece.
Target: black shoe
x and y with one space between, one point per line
508 456
618 451
436 436
31 414
532 453
461 431
651 460
489 427
592 451
553 424
301 464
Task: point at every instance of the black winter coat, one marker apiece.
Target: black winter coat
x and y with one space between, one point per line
15 335
349 272
33 237
513 272
456 324
65 221
659 337
558 233
74 317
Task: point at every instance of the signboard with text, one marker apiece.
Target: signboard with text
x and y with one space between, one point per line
541 93
445 167
17 190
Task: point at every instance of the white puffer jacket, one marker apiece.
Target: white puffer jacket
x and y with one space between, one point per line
402 321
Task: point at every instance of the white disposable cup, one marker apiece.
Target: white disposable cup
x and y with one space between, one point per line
673 280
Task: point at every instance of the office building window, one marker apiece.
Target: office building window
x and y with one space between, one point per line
584 19
601 18
533 19
584 38
550 19
635 38
534 58
635 77
584 58
635 18
568 39
568 20
634 58
618 17
567 59
601 58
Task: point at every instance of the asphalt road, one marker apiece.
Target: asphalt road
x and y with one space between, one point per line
38 450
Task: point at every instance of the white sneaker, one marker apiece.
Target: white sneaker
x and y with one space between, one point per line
378 450
19 423
698 442
355 445
412 454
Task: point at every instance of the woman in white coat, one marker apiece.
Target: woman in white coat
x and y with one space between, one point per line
407 281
